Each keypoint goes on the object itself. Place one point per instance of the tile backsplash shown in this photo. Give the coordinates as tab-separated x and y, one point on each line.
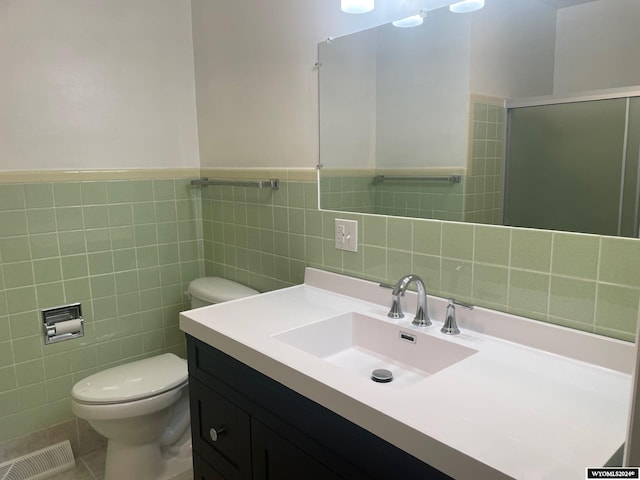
359	193
127	249
587	282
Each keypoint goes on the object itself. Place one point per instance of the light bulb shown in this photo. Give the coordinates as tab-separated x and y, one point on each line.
356	6
412	21
466	6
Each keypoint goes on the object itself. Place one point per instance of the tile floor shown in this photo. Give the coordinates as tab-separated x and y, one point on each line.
91	467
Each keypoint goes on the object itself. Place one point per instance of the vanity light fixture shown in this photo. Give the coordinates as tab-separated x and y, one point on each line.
412	21
356	6
466	6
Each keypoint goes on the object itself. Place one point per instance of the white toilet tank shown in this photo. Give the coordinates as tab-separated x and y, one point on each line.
208	290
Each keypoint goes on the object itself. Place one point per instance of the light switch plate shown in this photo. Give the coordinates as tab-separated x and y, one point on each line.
346	234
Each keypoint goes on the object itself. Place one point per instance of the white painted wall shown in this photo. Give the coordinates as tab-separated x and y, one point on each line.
513	49
597	46
110	83
348	100
98	84
423	93
396	96
255	79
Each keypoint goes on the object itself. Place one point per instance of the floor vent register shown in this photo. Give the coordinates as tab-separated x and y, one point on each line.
39	465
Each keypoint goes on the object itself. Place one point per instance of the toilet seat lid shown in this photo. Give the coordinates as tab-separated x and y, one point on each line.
133	381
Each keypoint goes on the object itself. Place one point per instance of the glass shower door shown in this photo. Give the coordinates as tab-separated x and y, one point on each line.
565	164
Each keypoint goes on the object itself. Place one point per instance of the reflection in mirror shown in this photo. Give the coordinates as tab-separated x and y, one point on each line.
497	99
574	166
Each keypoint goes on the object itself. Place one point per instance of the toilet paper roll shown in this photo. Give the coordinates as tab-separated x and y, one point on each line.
69	326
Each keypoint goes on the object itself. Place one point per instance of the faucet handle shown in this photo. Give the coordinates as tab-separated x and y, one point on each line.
390	286
450	326
458	303
396	309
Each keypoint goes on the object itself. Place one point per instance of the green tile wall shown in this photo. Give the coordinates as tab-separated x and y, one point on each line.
484	187
438	200
125	249
587	282
359	194
349	193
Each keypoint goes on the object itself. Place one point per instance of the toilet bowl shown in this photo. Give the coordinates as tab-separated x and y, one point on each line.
142	407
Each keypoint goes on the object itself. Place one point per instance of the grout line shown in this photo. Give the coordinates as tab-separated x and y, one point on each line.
597	291
551	257
508	303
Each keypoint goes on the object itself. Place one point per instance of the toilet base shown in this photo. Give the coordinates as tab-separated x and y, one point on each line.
146	462
180	461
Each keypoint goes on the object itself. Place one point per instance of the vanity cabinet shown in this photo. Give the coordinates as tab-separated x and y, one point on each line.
247	426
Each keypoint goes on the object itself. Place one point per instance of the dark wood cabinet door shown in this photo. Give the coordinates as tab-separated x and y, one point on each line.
221	433
203	471
275	458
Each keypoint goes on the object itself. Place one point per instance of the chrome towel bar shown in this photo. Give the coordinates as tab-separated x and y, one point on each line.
273	183
427	178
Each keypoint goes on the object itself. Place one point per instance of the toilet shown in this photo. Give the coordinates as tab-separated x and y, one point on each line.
142	407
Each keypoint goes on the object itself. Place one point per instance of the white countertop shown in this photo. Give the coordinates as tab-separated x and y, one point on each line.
508	411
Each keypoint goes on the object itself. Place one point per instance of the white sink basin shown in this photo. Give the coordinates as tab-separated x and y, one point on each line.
361	344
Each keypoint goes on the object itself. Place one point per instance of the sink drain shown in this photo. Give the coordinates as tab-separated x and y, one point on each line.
381	375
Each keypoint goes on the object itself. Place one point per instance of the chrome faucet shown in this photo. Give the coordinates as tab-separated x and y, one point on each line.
422	313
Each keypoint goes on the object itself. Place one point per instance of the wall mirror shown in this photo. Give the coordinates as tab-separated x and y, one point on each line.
525	113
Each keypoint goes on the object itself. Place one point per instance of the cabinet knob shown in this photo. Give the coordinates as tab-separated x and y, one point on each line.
214	432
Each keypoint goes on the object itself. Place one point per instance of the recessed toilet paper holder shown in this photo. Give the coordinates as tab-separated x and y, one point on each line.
62	323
